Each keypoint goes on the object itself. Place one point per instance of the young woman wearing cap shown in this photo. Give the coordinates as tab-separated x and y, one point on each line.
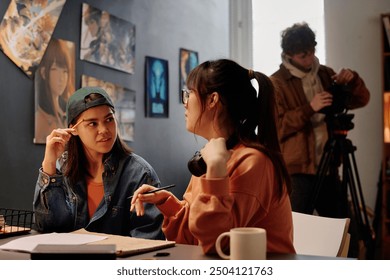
246	184
88	173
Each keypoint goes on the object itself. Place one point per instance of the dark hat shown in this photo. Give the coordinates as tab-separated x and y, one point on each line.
79	102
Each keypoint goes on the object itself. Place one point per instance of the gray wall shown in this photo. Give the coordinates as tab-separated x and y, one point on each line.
353	40
162	27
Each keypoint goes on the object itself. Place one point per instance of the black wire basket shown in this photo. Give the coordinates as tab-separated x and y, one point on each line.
14	222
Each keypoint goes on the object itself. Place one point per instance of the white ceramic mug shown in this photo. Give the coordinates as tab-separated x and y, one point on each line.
246	243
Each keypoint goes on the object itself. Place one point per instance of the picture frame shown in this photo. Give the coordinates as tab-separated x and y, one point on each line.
156	87
107	40
54	83
25	31
188	60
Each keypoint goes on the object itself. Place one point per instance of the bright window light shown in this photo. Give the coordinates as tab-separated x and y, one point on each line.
270	18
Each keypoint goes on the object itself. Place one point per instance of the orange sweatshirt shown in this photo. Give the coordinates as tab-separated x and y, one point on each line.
246	198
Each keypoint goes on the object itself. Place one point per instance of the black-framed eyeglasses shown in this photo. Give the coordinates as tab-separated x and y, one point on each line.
185	94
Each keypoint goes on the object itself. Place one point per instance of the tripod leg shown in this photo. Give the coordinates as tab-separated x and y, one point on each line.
348	181
321	173
359	188
352	178
369	234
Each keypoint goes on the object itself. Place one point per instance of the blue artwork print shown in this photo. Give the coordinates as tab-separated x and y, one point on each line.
156	87
188	60
158	81
193	61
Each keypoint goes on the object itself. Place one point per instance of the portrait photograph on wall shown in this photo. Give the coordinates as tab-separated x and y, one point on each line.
54	82
188	60
124	102
107	40
156	87
26	29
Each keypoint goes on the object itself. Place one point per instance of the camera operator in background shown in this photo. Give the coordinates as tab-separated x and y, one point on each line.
302	88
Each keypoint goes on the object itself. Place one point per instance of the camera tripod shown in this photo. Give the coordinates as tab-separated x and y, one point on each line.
339	151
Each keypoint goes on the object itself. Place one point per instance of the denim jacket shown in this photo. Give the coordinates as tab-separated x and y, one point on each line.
60	207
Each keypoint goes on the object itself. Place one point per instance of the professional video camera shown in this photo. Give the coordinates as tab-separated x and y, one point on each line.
338	151
336	116
341	94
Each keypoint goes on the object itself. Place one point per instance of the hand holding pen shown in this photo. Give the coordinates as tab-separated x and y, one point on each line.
55	146
148	194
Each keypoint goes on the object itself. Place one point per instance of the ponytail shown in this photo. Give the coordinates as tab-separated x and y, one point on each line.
252	115
265	117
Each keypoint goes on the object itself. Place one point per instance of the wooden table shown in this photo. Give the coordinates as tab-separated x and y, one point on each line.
178	252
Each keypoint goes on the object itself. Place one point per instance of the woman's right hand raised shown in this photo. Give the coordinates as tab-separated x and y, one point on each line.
55	146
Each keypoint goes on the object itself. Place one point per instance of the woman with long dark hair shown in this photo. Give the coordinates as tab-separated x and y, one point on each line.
88	173
245	183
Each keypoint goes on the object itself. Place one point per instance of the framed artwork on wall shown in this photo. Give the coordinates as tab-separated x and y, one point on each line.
54	82
124	102
188	60
107	40
26	29
156	87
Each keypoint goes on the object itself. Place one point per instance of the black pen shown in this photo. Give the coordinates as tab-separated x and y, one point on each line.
156	190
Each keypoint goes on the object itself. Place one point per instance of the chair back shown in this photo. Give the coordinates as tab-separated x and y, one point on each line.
321	236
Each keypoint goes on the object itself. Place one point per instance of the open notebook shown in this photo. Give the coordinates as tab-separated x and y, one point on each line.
126	246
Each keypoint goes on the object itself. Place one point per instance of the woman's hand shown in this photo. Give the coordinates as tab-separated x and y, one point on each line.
55	146
140	197
216	156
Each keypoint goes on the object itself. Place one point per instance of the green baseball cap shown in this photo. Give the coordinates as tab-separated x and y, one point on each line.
79	102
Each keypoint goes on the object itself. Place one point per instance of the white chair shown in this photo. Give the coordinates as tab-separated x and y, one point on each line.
321	236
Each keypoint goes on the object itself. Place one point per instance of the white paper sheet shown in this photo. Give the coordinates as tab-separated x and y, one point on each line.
28	243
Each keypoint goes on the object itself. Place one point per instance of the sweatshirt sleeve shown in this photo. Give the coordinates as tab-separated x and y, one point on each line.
219	207
213	206
176	215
